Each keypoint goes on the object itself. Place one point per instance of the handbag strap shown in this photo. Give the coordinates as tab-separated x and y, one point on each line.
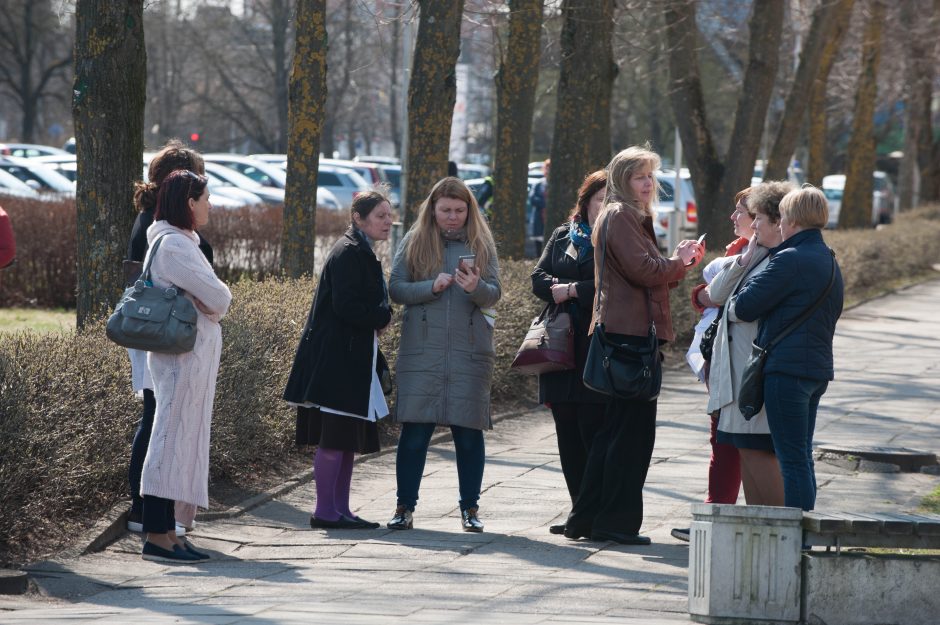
809	311
600	280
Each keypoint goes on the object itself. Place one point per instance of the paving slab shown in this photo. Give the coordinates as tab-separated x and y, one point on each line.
269	567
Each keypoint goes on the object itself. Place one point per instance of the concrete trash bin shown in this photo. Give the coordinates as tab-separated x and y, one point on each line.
744	564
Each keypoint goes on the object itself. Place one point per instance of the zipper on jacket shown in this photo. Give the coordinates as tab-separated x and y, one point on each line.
424	322
471	329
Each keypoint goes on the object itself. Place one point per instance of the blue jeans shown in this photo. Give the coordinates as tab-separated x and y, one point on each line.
413	452
791	404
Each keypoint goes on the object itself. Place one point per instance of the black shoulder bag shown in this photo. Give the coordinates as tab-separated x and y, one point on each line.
751	392
622	370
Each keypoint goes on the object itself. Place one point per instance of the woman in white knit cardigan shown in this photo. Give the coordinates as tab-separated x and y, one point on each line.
177	463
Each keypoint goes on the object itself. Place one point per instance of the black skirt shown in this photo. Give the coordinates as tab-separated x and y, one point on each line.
334	431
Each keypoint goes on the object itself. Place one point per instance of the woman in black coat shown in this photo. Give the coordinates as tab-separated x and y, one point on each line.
564	276
335	378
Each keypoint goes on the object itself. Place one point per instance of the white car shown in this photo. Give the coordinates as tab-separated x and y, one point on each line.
29	150
882	204
345	184
265	174
666	205
228	176
38	176
11	186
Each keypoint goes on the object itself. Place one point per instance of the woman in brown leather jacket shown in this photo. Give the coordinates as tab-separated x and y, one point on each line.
610	504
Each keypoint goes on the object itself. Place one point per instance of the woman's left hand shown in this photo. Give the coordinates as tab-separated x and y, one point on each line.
468	280
560	293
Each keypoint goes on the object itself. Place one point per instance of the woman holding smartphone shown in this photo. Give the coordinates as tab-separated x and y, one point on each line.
446	275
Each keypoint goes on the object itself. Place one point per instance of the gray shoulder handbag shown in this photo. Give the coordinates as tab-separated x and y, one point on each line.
152	319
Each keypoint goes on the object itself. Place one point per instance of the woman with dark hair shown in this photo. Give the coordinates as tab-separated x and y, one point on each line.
177	464
447	276
564	276
335	379
173	156
632	292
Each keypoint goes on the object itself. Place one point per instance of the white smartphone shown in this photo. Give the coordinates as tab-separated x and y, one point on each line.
701	238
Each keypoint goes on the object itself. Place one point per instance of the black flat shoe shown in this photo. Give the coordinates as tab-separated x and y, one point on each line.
470	521
361	523
191	550
556	529
574	533
617	537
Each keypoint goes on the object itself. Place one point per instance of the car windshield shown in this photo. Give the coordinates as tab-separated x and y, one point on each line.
232	177
833	194
46	177
265	174
9	181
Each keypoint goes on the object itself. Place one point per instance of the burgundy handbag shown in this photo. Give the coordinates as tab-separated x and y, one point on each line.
548	345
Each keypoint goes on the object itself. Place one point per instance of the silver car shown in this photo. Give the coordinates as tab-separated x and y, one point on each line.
344	183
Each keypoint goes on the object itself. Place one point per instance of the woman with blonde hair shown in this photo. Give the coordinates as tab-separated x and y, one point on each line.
632	291
446	275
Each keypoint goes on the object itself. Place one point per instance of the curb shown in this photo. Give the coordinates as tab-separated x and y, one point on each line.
113	524
13	582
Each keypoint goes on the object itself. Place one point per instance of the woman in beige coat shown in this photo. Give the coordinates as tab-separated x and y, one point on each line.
177	463
760	472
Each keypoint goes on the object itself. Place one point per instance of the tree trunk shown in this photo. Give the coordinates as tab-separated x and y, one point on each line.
394	86
108	112
581	140
821	29
515	93
280	24
928	150
305	116
818	122
857	198
919	72
432	93
715	180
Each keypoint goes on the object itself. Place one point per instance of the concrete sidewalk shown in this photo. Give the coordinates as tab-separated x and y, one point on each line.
269	567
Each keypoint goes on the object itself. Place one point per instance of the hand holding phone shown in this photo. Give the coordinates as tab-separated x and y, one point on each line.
466	263
701	238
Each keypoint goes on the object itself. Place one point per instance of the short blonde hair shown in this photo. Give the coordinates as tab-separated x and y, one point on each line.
805	208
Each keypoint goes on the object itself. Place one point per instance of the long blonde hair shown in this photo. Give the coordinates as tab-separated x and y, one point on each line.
425	253
621	169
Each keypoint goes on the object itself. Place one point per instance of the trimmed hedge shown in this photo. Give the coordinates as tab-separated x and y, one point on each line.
67	414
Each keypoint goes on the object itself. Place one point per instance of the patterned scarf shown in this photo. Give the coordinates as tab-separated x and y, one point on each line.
580	235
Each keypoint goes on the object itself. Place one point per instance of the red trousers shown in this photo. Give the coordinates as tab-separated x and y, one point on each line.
724	469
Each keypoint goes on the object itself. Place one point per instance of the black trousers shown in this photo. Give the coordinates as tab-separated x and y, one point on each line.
139	452
159	515
611	497
576	425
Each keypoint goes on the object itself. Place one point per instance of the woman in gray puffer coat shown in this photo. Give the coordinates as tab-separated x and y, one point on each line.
447	276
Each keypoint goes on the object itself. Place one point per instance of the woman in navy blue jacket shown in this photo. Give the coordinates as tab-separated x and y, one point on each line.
799	367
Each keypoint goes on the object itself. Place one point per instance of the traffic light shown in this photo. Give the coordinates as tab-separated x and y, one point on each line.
194	137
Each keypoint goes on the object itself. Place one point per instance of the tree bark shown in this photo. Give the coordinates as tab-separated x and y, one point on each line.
716	180
818	118
918	69
108	112
581	140
432	94
280	25
820	30
857	198
928	149
305	119
515	93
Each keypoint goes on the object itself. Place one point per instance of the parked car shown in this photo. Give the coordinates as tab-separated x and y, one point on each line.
378	160
795	173
11	186
228	176
393	175
265	174
29	150
666	201
224	196
65	164
275	159
38	176
344	183
371	172
471	171
883	203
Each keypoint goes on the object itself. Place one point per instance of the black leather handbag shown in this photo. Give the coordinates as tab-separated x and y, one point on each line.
623	370
751	392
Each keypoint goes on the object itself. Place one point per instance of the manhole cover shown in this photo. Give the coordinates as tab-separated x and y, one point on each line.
910	460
